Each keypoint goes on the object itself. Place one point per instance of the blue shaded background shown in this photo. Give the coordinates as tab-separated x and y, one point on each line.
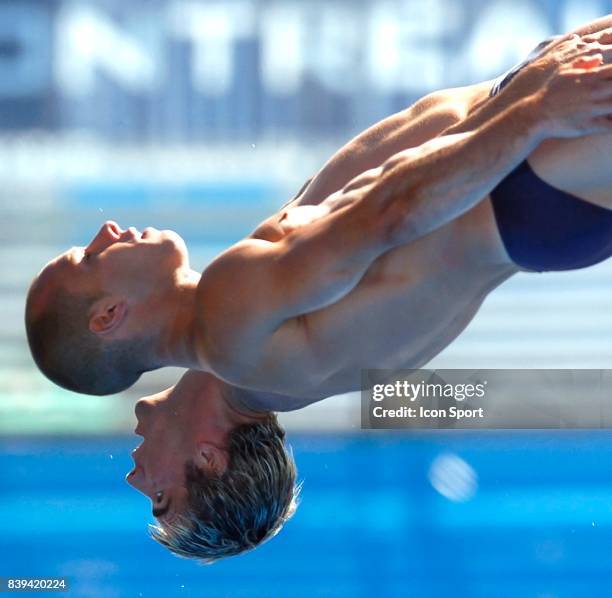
179	153
370	523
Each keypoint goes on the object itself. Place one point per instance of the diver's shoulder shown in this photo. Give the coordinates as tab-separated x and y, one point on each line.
231	302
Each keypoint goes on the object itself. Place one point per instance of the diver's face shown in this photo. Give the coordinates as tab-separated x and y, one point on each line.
185	423
159	462
126	262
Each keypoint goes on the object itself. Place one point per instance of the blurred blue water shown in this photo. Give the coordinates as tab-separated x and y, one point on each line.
534	521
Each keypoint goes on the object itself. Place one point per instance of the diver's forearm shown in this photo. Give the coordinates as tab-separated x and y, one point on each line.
484	110
423	193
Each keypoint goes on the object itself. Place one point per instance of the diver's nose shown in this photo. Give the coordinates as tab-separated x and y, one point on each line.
109	233
143	409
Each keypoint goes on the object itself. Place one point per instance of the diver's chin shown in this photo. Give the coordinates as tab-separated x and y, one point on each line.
176	248
174	238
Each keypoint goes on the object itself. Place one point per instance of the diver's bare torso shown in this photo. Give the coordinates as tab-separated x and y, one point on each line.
412	302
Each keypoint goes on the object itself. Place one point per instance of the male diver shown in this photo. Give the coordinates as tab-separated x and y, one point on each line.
383	272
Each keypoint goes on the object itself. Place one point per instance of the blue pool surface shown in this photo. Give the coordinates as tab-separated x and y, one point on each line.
442	514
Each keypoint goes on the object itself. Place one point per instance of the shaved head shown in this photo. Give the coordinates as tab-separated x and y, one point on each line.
91	311
63	347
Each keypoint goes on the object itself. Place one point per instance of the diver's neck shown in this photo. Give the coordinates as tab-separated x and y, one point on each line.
177	340
243	402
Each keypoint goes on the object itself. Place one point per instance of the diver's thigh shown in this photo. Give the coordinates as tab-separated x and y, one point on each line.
580	166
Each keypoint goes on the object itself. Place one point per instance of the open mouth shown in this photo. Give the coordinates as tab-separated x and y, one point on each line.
137	466
133	472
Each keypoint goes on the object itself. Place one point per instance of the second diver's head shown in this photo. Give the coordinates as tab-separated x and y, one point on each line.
220	477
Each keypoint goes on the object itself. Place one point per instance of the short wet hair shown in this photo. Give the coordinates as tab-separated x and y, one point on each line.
247	505
70	355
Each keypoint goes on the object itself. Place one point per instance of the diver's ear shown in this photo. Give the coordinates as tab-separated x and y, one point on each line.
106	315
211	458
